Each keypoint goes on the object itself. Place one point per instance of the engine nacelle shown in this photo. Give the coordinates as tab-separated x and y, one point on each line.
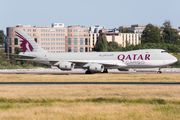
66	66
96	68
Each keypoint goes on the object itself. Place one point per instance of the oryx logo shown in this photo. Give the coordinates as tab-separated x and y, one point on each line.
25	45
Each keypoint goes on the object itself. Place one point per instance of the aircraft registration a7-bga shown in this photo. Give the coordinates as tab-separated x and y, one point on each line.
94	61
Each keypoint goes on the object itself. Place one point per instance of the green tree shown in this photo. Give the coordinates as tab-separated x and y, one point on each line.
2	56
105	42
114	46
125	31
102	46
17	50
170	35
127	43
99	46
167	24
2	37
151	34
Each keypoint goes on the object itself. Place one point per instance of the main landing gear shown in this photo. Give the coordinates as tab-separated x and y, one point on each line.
105	71
89	72
159	71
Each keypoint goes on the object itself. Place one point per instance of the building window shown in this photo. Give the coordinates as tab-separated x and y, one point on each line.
81	41
75	49
81	49
69	49
69	41
86	49
35	39
75	41
86	41
15	41
10	41
10	50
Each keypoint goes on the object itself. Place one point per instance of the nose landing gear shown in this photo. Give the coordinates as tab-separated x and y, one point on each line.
159	71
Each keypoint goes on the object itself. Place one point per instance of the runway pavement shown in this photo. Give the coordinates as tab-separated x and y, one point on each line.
81	71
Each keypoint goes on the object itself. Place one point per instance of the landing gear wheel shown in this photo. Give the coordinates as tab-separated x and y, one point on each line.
88	72
105	71
159	71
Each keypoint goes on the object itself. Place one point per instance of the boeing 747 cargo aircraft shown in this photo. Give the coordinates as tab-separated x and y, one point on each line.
94	61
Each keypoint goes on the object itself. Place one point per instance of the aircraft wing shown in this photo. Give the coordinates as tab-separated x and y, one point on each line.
82	63
87	63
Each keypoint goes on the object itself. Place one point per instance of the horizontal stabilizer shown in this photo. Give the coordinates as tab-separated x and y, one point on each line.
20	55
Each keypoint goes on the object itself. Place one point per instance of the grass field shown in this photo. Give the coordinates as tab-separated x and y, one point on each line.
90	78
81	102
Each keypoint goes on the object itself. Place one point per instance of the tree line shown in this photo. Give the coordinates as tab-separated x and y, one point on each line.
14	63
153	37
165	34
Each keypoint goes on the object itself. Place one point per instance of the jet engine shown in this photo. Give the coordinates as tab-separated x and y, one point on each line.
66	66
96	68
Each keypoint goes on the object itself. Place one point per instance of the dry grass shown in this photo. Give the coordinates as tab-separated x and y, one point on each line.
94	111
91	78
81	102
79	108
90	91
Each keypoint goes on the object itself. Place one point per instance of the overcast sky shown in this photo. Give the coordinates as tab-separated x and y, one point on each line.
107	13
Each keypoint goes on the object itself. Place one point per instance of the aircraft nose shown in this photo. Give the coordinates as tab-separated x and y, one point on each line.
174	59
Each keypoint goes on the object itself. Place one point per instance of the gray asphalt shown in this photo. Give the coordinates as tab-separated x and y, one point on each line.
81	71
67	73
88	83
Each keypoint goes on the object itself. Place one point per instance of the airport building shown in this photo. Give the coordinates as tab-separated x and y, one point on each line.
134	28
123	38
94	37
178	30
52	39
77	39
58	39
95	29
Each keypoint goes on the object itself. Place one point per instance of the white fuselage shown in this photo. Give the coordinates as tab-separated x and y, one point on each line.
146	58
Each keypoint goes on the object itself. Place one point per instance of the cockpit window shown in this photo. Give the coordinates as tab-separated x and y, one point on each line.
164	52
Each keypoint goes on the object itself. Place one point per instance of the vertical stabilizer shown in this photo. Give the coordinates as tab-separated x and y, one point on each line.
27	43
